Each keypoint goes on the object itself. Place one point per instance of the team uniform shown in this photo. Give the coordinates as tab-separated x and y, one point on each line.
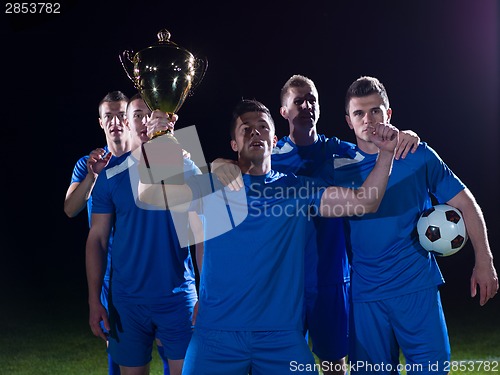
80	171
395	297
252	284
327	277
152	288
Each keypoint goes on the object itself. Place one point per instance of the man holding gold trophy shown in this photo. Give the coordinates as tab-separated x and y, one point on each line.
152	292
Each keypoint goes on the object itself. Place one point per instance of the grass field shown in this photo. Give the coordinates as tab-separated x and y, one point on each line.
42	335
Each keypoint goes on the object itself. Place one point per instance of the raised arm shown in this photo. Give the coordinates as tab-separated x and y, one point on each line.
337	201
174	197
484	274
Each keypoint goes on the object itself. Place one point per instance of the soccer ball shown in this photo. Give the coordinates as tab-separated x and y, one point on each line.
441	230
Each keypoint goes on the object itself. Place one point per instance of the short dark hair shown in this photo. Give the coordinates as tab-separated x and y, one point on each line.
134	97
112	96
296	80
365	86
245	106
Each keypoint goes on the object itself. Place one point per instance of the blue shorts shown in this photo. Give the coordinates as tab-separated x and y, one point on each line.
413	322
134	328
213	352
326	320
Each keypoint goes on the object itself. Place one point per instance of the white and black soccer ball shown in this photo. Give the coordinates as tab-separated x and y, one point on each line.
441	230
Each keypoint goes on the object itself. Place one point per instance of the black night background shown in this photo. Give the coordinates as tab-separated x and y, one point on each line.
439	60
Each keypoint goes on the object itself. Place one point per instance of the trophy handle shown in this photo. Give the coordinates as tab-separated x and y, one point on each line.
201	66
127	64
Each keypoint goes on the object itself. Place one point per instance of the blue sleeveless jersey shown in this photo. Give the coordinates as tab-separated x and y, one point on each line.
387	259
326	261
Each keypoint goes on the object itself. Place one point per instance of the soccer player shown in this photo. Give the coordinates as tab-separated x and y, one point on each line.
304	152
152	277
327	280
112	110
395	297
252	284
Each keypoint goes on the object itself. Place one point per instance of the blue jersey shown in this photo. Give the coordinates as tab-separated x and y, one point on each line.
326	261
79	173
253	275
148	262
387	259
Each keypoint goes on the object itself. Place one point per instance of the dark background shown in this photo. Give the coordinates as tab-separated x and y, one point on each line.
437	58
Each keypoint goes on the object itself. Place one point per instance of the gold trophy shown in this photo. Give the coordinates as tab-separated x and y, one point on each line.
164	74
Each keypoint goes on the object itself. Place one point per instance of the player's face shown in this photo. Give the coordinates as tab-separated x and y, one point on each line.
112	120
301	107
366	111
254	136
137	114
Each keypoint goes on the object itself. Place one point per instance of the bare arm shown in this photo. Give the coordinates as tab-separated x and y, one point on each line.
484	274
78	193
95	260
228	172
337	201
196	226
175	197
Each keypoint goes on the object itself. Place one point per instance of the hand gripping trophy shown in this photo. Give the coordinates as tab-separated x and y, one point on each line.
164	74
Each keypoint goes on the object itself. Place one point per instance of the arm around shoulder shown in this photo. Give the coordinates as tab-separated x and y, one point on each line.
337	201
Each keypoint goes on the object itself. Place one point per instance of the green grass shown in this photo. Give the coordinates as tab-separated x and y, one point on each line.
39	336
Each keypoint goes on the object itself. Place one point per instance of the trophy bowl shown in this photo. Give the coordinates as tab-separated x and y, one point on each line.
164	74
